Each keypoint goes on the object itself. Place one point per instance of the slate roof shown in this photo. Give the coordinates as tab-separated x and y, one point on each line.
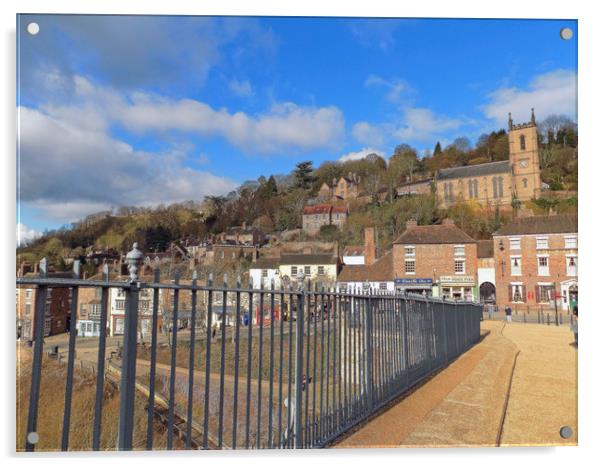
482	169
307	259
266	263
485	249
380	271
434	234
563	223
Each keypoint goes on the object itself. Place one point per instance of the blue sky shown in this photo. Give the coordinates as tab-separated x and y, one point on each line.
135	110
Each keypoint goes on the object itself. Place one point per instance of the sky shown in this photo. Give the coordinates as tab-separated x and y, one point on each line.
144	110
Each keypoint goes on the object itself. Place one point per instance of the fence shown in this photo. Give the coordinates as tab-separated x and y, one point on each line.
299	381
535	315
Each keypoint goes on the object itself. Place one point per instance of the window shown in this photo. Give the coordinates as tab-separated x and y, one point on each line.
307	270
571	266
523	145
448	192
500	186
459	250
320	270
28	293
95	310
120	304
294	270
382	286
473	189
525	182
410	251
410	266
118	326
515	265
27	309
542	266
544	293
515	243
343	288
517	293
494	180
459	266
541	242
264	273
570	242
144	305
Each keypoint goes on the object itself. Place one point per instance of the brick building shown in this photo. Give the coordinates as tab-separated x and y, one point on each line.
57	307
535	260
438	260
497	183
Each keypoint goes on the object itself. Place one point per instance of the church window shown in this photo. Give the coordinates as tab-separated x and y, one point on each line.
500	187
475	188
525	182
495	194
523	145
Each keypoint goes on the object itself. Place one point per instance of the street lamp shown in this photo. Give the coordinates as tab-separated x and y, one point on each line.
502	262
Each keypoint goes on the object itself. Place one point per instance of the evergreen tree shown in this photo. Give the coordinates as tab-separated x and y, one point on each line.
303	175
437	150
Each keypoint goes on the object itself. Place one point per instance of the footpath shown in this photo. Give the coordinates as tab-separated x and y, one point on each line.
518	386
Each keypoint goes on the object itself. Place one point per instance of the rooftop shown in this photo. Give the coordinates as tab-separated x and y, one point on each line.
564	223
482	169
380	271
317	209
434	234
266	263
353	251
307	259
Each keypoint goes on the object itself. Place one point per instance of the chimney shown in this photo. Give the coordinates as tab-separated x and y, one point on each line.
369	246
411	223
448	221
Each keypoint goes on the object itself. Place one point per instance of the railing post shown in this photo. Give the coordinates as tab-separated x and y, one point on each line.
36	368
369	354
128	361
297	422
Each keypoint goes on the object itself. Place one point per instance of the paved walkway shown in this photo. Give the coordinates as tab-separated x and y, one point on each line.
465	404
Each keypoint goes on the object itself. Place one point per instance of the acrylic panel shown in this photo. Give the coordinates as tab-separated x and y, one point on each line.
288	232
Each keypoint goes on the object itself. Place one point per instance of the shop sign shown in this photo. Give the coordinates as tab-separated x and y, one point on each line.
453	280
414	281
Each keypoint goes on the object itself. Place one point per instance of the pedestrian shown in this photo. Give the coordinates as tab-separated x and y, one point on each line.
508	314
574	327
490	309
213	330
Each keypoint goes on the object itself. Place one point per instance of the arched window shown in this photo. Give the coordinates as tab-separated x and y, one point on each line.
525	182
500	187
494	180
470	189
475	188
523	144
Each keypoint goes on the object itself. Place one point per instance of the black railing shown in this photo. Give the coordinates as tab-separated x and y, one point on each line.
310	364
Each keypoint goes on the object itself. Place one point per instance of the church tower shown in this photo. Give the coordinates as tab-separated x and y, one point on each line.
524	158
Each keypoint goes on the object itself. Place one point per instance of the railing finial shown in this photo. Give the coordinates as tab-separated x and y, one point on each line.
134	260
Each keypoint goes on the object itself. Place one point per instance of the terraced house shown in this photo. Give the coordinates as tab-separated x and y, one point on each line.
536	262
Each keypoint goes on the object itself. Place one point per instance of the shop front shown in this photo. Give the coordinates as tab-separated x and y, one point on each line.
423	286
461	288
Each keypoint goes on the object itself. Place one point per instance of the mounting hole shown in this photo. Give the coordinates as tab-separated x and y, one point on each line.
566	432
33	28
566	33
33	438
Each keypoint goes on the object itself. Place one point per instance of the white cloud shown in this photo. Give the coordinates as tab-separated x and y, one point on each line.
70	171
367	133
360	154
422	124
549	93
285	126
241	88
25	234
396	88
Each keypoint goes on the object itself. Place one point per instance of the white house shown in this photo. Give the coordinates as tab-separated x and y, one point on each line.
263	271
354	255
319	268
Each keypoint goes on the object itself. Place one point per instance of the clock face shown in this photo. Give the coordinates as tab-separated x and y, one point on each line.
524	163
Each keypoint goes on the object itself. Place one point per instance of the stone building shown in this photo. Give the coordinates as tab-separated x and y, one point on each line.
319	215
437	260
536	262
347	187
497	183
413	188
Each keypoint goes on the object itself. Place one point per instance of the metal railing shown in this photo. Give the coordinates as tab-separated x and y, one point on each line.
296	368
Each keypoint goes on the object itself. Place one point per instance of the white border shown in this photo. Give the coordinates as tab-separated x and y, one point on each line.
590	75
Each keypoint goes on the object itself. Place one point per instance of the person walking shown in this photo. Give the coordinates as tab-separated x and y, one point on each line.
508	314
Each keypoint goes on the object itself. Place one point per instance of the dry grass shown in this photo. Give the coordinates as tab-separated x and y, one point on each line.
51	408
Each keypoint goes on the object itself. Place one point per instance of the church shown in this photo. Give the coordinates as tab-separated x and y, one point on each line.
497	183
